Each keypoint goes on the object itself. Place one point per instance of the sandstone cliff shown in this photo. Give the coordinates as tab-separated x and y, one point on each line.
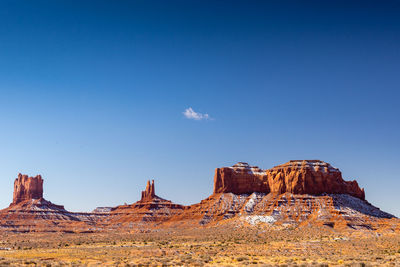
26	188
312	177
294	193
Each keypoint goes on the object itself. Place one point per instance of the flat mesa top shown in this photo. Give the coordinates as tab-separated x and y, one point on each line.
306	160
314	164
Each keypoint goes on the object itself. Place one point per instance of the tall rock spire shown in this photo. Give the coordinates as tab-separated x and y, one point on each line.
149	193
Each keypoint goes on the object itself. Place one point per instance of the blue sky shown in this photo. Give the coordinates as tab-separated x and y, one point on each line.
92	94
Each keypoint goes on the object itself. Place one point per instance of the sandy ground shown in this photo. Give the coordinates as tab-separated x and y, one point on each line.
214	246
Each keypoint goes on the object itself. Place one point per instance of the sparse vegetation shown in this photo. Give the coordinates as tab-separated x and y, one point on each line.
225	245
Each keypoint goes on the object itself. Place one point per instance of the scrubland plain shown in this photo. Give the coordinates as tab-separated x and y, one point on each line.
223	245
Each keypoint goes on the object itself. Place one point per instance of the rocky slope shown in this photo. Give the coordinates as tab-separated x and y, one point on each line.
294	193
150	208
288	195
29	211
333	210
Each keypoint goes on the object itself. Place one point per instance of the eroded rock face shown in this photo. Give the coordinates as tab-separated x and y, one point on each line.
29	211
26	188
240	179
149	192
149	208
312	177
307	192
334	210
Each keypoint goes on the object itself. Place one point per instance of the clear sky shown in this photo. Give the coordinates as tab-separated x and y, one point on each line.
96	95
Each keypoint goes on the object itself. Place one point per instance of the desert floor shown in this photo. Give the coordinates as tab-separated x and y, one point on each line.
213	246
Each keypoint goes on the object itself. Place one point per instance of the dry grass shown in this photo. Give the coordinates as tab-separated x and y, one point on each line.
218	246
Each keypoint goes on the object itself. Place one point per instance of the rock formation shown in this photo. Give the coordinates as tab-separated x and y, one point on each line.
26	188
295	193
312	177
149	193
102	210
299	192
333	210
240	179
29	211
149	208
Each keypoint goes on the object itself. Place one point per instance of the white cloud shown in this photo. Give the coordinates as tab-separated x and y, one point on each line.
191	114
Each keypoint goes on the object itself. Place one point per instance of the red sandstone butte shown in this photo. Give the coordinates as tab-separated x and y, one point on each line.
26	188
312	177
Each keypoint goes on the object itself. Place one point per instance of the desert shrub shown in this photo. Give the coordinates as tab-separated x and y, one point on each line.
242	258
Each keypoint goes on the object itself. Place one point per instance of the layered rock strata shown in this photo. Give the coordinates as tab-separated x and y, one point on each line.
312	177
26	188
149	208
331	210
299	192
29	211
295	193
